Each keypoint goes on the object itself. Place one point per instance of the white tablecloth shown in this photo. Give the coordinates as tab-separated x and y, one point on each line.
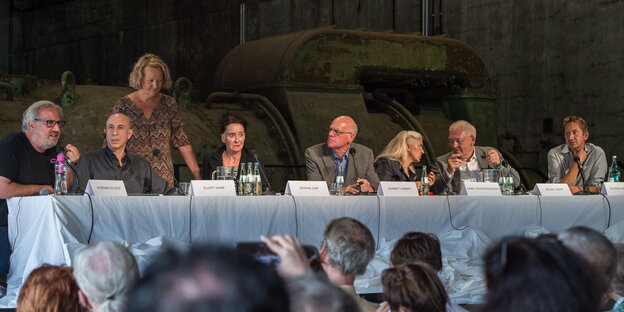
48	229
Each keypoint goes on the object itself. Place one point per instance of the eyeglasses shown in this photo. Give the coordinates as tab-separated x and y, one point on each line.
458	141
337	133
232	136
51	123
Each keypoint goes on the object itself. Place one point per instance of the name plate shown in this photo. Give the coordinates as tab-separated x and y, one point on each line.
552	189
213	188
106	188
480	189
306	188
392	188
612	188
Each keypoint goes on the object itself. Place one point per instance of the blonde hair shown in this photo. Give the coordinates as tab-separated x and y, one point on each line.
465	126
136	76
397	147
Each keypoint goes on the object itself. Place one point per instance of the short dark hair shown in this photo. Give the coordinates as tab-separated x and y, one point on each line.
227	119
415	286
538	275
223	278
417	246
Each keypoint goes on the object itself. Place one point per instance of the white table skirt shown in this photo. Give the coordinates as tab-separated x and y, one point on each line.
48	229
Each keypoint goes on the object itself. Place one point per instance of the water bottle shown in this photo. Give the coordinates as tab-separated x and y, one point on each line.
60	172
242	179
614	172
508	181
339	179
424	182
256	173
251	180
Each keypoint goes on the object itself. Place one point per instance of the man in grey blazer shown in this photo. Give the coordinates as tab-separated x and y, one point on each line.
465	160
322	160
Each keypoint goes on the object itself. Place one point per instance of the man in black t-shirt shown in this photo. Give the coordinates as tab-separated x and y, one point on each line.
25	167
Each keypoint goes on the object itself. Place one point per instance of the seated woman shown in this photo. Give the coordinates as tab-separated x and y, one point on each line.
233	152
50	288
395	161
413	287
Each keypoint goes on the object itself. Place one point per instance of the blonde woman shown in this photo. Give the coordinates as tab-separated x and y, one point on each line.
155	118
395	161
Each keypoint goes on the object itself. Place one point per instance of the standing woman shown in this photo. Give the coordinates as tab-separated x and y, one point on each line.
155	118
395	161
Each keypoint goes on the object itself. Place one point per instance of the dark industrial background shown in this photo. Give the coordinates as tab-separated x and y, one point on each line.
546	58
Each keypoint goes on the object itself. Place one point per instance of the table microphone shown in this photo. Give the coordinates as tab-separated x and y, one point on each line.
584	191
255	155
44	192
176	185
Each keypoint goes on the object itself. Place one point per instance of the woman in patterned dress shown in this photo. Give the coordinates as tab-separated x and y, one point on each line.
155	118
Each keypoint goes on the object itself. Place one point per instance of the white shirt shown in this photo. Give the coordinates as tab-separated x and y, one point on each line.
469	171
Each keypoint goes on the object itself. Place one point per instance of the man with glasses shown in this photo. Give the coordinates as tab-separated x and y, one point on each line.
356	160
25	167
465	160
562	168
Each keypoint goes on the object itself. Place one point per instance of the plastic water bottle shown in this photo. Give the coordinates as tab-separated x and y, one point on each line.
251	180
256	173
424	182
508	181
60	172
339	178
242	179
614	172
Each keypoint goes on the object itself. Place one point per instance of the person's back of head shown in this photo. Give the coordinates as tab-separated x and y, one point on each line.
349	245
106	272
617	283
313	293
49	288
538	275
209	278
413	286
594	247
417	246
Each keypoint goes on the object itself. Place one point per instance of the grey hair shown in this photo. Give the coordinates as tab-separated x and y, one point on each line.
34	109
314	293
349	245
465	126
593	247
106	272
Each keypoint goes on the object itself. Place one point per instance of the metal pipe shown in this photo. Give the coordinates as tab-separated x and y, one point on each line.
425	17
243	22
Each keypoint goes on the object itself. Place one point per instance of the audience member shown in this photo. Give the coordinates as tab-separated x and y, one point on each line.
346	249
311	293
616	292
49	288
209	278
413	287
537	275
105	272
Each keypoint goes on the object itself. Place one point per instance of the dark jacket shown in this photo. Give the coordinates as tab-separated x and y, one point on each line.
390	170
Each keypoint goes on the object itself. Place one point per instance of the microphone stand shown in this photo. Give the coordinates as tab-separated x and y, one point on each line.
176	185
268	190
580	167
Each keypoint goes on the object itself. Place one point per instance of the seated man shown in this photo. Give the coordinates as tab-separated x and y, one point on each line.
322	160
25	168
114	163
562	168
105	273
465	160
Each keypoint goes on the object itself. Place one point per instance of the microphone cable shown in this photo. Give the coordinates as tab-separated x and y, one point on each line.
609	207
448	204
92	218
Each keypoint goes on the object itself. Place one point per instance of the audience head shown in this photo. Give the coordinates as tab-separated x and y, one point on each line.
594	247
233	129
105	272
406	147
42	122
49	289
342	132
209	278
149	62
417	246
311	293
347	246
537	275
462	136
617	283
413	286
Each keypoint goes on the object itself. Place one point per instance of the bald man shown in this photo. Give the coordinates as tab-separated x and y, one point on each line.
322	160
115	163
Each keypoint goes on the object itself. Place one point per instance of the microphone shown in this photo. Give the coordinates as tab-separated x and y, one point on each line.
505	163
176	185
44	192
255	155
70	164
580	168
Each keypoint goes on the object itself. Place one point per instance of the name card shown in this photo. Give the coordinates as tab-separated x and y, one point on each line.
612	188
392	188
213	188
106	188
552	189
306	188
480	189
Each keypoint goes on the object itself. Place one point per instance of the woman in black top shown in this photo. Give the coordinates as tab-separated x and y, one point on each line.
395	161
